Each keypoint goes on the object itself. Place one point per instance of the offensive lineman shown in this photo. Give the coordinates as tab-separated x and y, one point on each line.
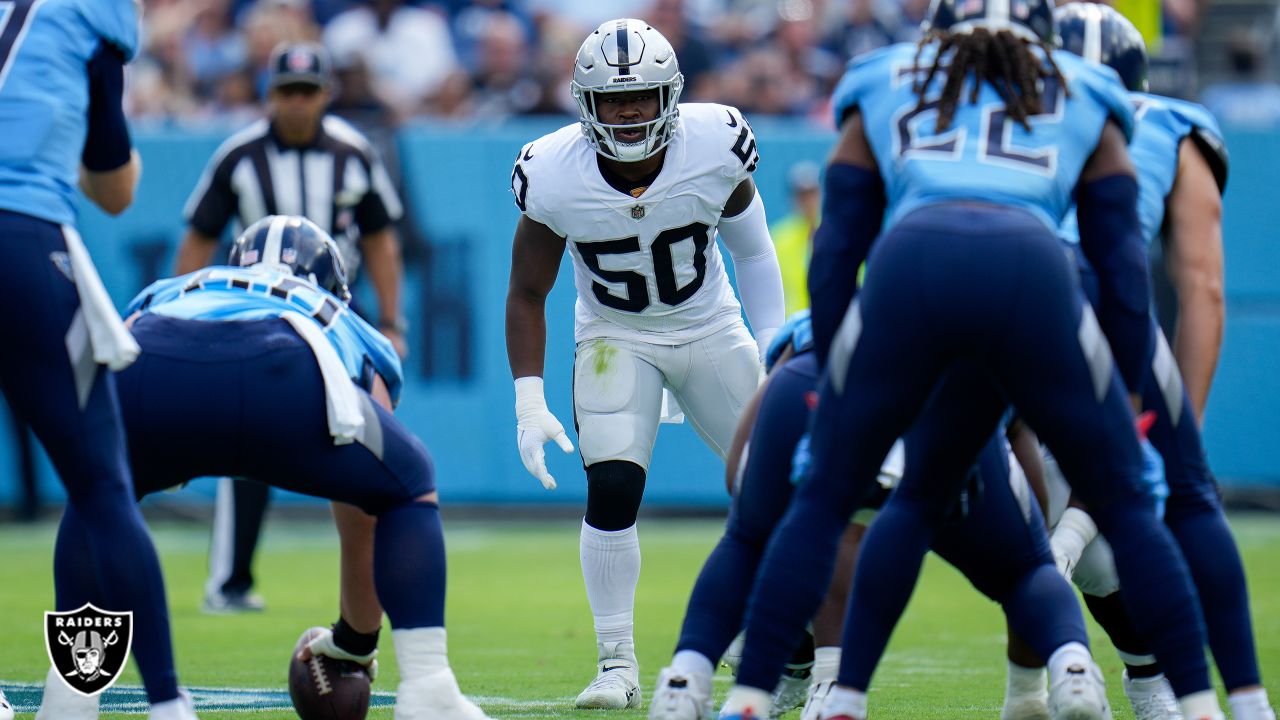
636	191
1182	169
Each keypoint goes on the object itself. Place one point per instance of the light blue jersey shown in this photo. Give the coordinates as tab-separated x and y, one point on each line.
1035	171
1162	124
45	46
256	293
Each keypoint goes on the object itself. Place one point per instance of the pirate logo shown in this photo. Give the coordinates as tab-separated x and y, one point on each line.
88	646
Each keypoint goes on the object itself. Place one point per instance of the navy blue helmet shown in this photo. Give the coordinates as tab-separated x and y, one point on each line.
1100	34
1031	20
298	244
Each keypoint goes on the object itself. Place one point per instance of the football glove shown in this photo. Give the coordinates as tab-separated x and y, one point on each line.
1073	534
535	425
324	645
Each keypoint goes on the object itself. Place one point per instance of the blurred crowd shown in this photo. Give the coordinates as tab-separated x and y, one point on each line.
492	59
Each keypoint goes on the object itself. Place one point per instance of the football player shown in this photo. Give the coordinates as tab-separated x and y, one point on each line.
1010	562
1182	169
61	85
637	191
258	369
966	150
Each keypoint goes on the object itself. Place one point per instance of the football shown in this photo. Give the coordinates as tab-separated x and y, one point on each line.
326	689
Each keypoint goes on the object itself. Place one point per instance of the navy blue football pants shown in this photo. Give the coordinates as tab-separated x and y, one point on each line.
72	408
989	287
997	539
1194	512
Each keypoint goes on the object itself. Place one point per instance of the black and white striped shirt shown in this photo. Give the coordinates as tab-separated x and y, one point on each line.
338	182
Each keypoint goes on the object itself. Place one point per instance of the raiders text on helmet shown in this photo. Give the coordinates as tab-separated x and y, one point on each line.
1100	34
297	245
627	56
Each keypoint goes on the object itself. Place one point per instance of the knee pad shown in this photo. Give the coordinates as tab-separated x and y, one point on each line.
614	490
1095	574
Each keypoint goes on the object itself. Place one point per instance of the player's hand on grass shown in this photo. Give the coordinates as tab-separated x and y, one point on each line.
535	425
324	645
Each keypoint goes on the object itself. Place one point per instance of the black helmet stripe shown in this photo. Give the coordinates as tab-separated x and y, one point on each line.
623	38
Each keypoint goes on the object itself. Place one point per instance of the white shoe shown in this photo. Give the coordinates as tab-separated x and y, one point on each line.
1151	698
1079	694
679	697
791	692
180	708
435	697
6	708
62	703
617	682
818	693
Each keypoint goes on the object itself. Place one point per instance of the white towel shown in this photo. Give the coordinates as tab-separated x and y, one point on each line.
341	400
112	344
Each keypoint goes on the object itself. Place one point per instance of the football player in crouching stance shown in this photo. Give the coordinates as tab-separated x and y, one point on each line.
636	191
258	369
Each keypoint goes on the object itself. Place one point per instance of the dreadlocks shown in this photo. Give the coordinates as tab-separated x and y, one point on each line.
1001	59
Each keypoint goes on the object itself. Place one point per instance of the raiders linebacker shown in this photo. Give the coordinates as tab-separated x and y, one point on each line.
636	190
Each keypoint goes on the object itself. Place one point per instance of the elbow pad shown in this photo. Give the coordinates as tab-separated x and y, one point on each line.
1111	238
853	204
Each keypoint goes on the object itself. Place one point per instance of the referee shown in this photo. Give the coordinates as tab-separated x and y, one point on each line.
297	161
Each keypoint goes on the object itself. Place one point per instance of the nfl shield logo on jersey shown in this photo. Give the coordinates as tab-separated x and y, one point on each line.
88	646
637	212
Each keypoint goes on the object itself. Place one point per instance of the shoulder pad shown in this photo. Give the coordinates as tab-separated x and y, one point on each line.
1102	85
723	125
1203	130
859	76
539	159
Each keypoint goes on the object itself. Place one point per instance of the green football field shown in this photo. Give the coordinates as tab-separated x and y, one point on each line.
519	628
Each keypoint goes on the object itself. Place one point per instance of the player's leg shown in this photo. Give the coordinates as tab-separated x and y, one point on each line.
1060	375
1194	514
723	374
884	363
1001	545
718	601
240	507
71	404
617	396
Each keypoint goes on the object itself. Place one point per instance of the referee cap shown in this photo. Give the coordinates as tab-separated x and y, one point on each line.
299	64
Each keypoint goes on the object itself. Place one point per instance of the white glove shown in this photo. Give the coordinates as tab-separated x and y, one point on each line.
324	645
535	425
1073	534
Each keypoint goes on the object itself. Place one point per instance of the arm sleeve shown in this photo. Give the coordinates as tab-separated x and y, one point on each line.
746	237
1111	238
106	145
853	205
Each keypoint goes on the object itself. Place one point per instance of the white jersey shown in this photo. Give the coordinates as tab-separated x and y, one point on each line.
647	269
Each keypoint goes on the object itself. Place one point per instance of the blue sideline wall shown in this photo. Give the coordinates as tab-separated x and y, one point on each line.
456	180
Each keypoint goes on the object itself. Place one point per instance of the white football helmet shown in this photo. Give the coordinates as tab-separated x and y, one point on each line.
625	56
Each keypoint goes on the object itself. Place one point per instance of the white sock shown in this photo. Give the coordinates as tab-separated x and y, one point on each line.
1025	681
1136	660
1250	705
742	699
611	571
847	702
1202	705
826	664
420	651
60	701
179	708
1072	653
692	663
